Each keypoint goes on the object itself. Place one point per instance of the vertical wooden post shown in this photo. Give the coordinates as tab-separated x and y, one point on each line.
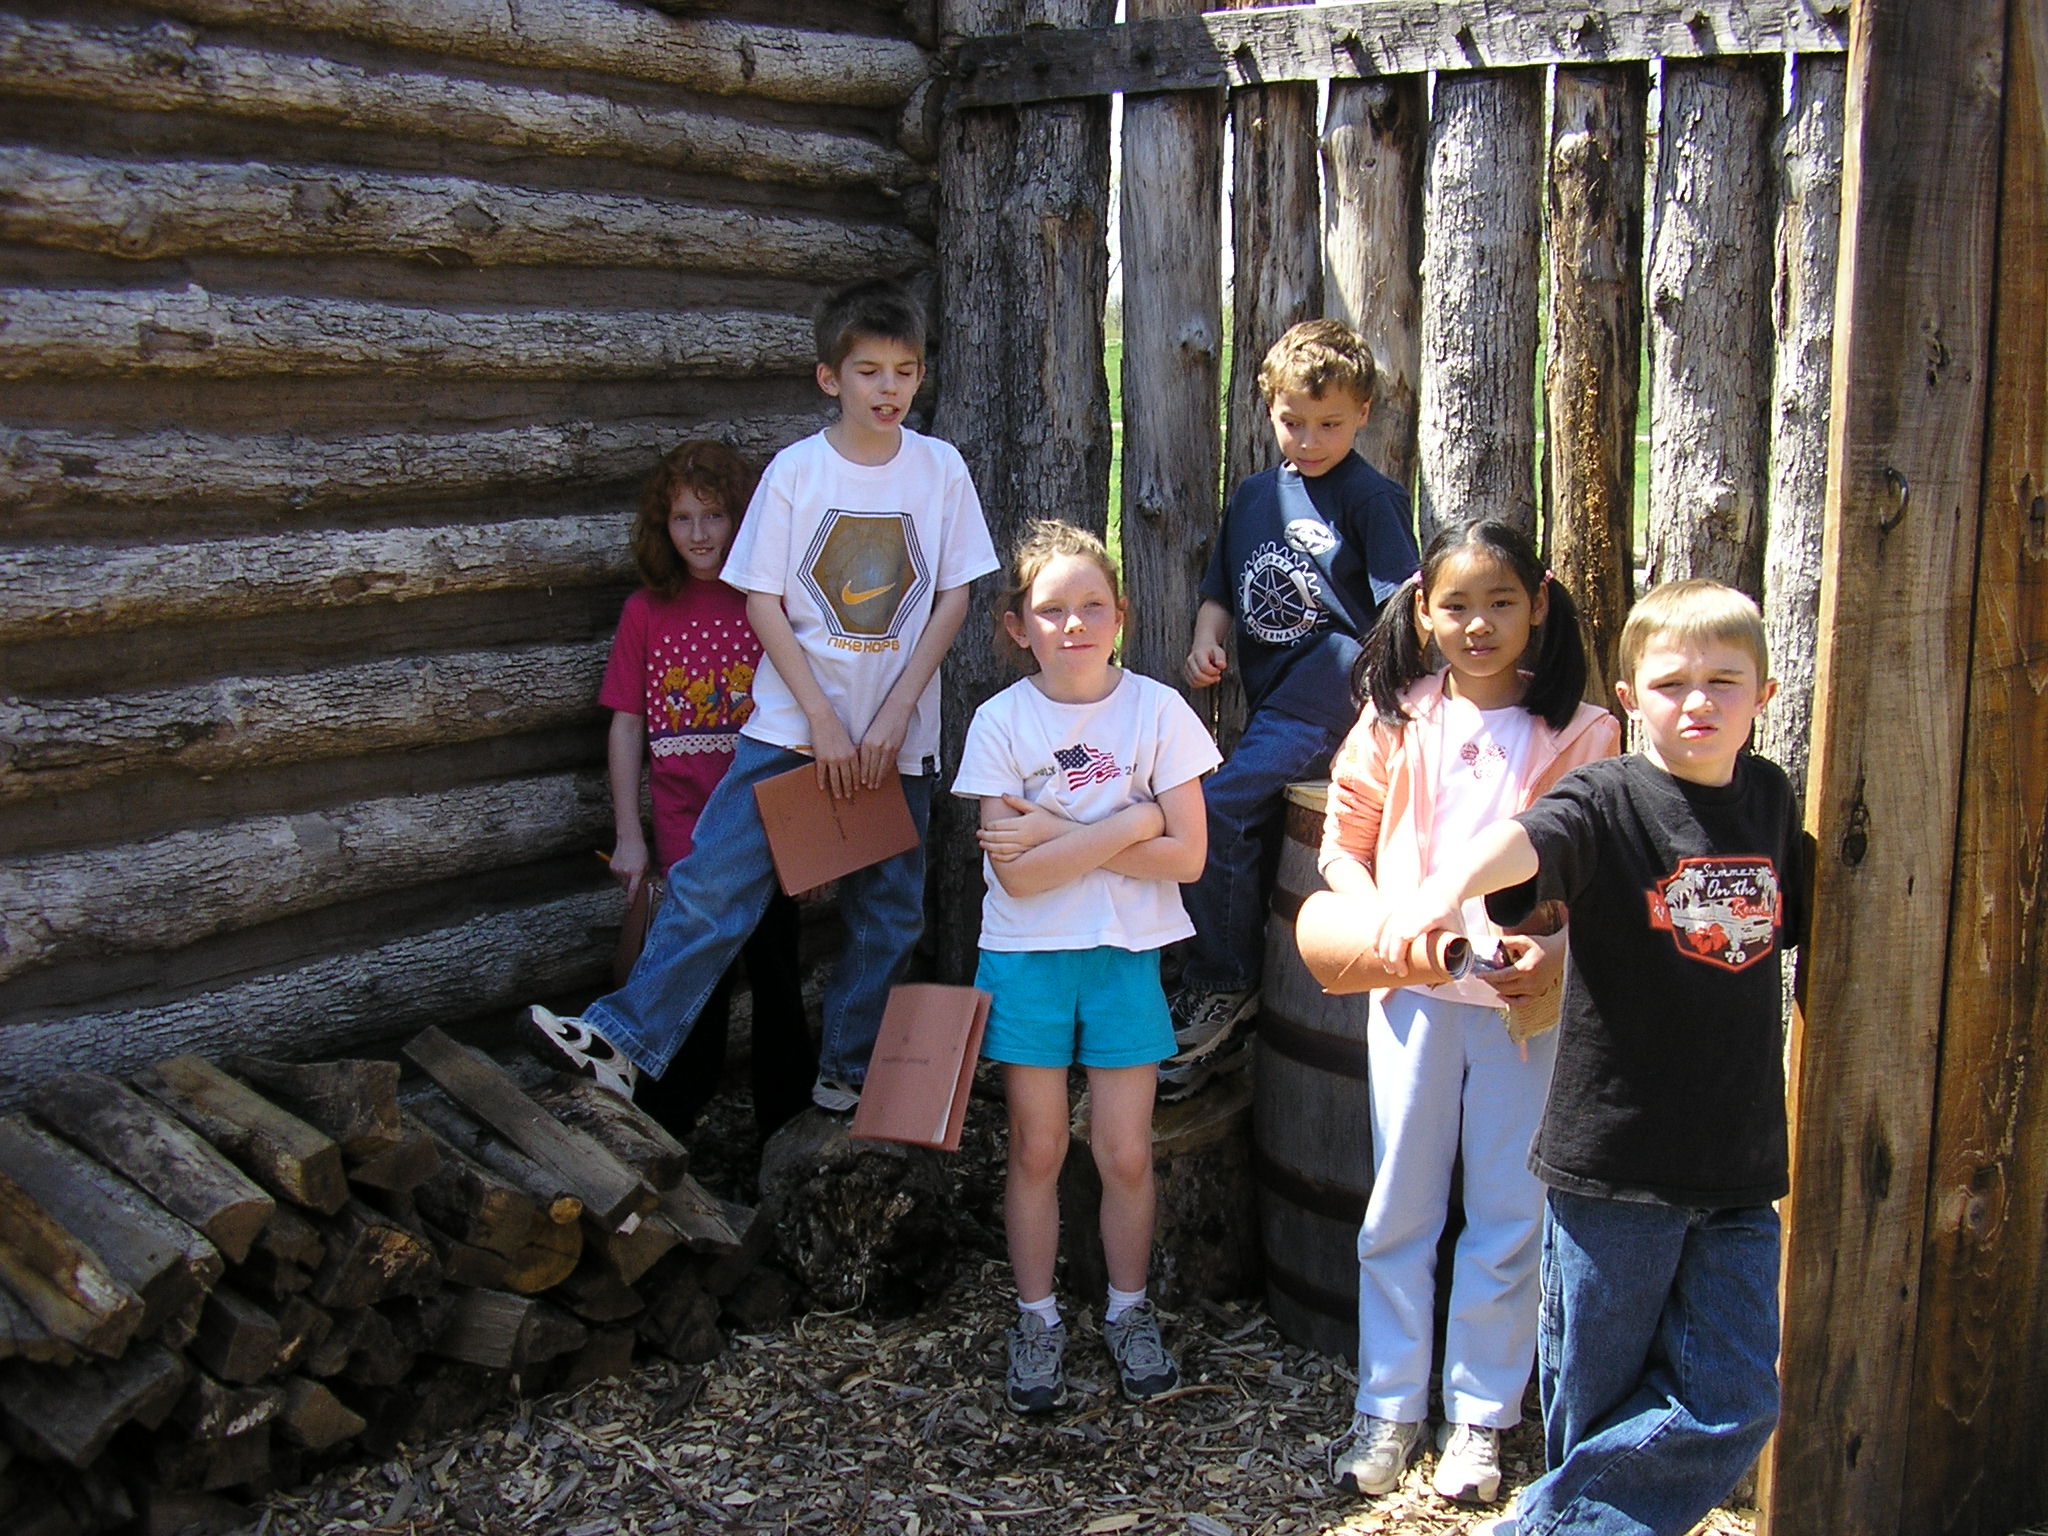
1809	165
1593	373
1710	342
1481	243
1905	462
1372	247
1979	1429
1173	355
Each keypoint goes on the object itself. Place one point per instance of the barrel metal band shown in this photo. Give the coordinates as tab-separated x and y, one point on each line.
1317	1298
1319	1197
1313	1048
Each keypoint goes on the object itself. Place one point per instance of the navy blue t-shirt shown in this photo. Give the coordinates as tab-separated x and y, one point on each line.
1292	654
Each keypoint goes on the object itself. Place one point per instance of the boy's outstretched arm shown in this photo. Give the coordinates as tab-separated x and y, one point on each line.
1032	850
883	738
831	746
1207	659
1500	856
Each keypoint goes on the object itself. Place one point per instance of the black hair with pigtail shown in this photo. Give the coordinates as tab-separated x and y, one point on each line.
1395	654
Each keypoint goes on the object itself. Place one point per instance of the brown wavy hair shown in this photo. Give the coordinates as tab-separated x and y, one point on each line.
1044	542
714	472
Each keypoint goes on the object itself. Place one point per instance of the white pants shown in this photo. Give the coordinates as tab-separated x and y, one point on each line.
1445	1078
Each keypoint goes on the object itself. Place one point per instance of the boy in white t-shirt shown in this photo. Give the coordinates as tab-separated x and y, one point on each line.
855	555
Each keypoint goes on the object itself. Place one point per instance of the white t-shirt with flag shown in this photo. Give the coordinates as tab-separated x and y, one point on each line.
857	552
1086	762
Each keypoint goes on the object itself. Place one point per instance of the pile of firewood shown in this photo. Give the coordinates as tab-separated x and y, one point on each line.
222	1279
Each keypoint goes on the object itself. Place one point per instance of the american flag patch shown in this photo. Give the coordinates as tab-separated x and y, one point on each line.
1087	765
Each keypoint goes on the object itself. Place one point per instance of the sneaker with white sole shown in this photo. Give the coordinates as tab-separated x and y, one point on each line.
835	1097
1142	1364
1203	1019
1467	1463
1183	1079
586	1051
1371	1456
1035	1381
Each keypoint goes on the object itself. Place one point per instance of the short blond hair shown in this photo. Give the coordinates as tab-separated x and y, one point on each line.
1316	357
1044	542
1692	610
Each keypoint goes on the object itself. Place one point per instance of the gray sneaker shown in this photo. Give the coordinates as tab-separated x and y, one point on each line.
1034	1382
1183	1079
1203	1020
1142	1363
1373	1454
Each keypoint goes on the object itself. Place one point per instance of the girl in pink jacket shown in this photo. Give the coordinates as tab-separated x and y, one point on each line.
1472	684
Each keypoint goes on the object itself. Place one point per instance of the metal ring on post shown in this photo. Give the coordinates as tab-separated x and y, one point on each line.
1904	493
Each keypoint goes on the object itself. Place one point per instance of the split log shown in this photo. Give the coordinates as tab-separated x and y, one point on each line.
466	1264
1372	248
280	1151
1476	436
607	1353
401	1169
302	1329
23	1338
355	1102
154	211
546	1259
611	1192
681	1320
213	1410
59	746
756	1239
473	1204
629	1134
1173	348
192	332
501	1331
153	1253
369	1258
1710	320
73	1413
270	1278
716	57
1593	376
1808	161
312	1416
154	1150
211	1465
597	1294
554	1202
57	467
60	1280
165	68
328	1355
238	1340
705	1222
629	1255
293	1239
378	1356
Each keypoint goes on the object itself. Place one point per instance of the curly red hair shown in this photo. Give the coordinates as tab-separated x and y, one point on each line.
713	471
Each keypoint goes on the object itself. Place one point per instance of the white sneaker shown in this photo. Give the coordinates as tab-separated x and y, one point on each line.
1467	1463
587	1051
835	1097
1373	1454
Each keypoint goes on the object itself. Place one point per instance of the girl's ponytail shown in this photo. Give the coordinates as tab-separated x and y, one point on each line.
1392	656
1557	681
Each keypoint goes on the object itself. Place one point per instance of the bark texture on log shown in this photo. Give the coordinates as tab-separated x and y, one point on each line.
1710	317
1593	372
1809	167
1373	140
1476	439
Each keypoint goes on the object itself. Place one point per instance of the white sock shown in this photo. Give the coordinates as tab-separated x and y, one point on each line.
1046	1311
1121	1302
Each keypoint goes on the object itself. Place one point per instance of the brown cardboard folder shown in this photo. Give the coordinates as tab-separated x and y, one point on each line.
814	837
923	1066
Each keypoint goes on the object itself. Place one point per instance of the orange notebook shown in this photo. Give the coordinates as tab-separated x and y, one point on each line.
923	1066
814	837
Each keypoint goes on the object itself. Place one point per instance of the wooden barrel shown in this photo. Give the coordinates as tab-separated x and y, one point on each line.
1311	1127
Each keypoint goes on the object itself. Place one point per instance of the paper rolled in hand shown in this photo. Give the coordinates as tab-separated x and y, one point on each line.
1335	933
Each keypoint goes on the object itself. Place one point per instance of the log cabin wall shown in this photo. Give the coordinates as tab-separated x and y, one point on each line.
336	336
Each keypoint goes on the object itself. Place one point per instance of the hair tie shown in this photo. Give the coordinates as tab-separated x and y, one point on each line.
1416	575
1549	574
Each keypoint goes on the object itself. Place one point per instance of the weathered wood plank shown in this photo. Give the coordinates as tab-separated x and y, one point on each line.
53	468
166	67
191	331
1905	485
718	57
154	211
338	1002
614	1124
1710	323
62	745
1809	171
63	1282
1476	441
1979	1393
1373	137
145	1142
1382	37
280	1151
1593	372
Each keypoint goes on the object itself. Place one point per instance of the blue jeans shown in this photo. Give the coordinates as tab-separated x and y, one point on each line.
1246	802
716	895
1657	1348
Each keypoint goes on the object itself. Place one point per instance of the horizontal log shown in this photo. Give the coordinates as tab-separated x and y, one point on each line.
57	746
1371	39
213	1410
50	468
164	67
191	885
370	1258
60	1280
314	1417
278	1150
84	332
354	1101
338	1002
301	1329
23	1338
554	1203
726	58
158	210
401	1169
238	1340
74	1413
475	1205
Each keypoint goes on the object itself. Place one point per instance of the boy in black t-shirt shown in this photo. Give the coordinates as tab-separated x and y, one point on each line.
1663	1139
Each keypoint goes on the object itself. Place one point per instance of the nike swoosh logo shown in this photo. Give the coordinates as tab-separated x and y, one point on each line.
854	599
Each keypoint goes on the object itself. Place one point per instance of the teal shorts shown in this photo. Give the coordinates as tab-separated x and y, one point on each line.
1055	1007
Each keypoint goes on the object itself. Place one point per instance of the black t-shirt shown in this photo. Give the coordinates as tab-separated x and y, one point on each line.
1670	1080
1291	653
